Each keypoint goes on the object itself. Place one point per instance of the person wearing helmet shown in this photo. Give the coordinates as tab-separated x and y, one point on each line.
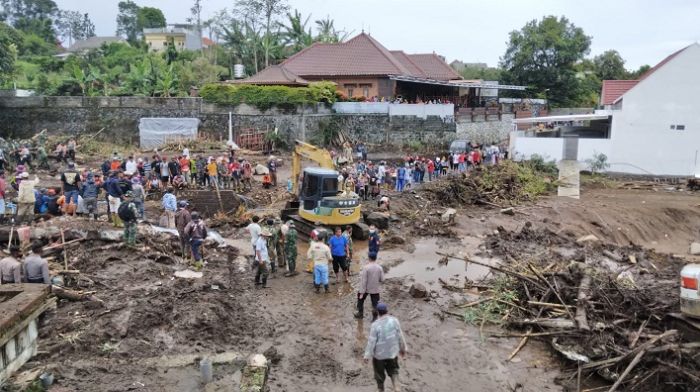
182	219
196	232
128	213
290	249
320	254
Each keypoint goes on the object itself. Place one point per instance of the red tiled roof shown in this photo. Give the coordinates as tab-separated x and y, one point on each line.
364	56
207	42
274	74
613	89
405	59
434	67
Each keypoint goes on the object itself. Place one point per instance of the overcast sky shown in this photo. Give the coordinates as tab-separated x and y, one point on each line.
643	31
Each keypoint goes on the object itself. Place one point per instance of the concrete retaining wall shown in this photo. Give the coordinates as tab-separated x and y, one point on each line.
22	117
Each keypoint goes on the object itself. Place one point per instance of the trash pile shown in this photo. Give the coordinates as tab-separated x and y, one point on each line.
506	184
609	311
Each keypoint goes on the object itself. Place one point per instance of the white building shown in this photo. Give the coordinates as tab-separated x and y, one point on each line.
653	127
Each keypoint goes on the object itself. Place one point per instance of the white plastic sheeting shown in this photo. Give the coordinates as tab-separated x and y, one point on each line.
155	132
423	110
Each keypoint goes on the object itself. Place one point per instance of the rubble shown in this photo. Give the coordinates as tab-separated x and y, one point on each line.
608	317
417	290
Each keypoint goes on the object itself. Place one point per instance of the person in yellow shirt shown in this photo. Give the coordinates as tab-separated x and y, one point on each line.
212	171
320	254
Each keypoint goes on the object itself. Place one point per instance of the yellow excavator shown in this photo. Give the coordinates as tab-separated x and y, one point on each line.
318	199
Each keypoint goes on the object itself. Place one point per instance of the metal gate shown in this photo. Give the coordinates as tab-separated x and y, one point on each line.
251	139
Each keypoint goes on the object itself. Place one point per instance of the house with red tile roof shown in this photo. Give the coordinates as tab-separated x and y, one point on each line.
651	125
363	67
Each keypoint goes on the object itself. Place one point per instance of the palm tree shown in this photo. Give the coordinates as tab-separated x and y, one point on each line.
295	35
327	32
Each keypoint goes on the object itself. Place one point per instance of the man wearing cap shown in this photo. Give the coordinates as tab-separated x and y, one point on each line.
114	196
262	258
278	239
371	279
320	254
182	219
196	232
36	268
386	342
70	185
10	267
26	197
128	213
290	248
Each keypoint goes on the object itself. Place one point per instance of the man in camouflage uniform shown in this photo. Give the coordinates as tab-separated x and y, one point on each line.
129	218
278	237
271	244
290	249
42	157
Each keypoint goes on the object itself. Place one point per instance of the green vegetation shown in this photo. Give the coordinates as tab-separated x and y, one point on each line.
493	310
265	97
598	163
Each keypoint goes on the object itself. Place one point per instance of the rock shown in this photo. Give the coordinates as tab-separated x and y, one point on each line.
394	239
695	248
272	354
261	169
417	290
257	360
188	274
449	215
508	211
587	238
378	219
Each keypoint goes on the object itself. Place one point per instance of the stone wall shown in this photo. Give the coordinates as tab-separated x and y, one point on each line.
22	117
485	131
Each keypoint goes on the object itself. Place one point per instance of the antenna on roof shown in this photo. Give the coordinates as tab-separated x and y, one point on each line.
363	27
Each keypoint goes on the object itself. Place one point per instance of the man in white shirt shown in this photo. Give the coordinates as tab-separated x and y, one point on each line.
262	258
254	231
320	254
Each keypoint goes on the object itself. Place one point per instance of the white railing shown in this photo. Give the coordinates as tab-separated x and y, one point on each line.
421	110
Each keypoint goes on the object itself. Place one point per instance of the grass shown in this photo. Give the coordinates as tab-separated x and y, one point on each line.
493	311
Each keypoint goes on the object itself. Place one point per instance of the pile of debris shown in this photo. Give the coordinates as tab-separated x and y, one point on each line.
506	184
609	310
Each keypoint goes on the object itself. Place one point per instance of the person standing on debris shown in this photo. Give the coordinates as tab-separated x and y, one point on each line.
164	173
114	196
139	196
169	204
174	168
374	240
262	258
254	230
386	342
43	158
130	165
234	167
196	232
400	178
70	180
90	191
247	170
26	198
339	251
212	173
71	147
10	267
371	278
290	248
36	268
128	214
182	219
201	165
271	246
320	254
185	168
272	167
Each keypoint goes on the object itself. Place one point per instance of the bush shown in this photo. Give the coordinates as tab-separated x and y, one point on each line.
266	97
538	164
598	163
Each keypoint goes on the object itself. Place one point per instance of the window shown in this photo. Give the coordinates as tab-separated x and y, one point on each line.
350	88
365	89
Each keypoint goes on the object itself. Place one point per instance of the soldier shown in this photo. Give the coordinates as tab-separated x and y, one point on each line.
290	249
278	236
271	244
42	157
128	213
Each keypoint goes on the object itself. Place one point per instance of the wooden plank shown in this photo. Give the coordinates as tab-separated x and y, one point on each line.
27	297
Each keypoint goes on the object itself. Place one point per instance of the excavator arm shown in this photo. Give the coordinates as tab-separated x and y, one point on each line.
308	151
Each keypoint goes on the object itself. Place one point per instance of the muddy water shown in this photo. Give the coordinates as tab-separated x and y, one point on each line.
422	265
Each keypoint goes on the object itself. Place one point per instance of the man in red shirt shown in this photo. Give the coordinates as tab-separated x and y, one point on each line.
185	168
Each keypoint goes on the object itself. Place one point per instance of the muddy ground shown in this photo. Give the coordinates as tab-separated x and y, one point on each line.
152	328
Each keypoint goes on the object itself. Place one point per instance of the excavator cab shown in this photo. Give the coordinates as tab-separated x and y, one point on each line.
321	201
